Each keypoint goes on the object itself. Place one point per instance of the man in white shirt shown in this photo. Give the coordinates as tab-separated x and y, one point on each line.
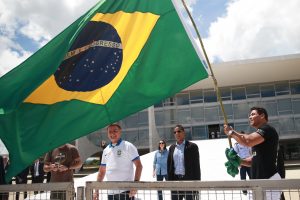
118	160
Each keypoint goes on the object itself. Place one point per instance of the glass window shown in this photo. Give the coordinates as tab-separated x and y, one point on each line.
286	124
293	151
211	114
275	124
284	106
297	124
170	116
225	94
254	104
158	104
143	138
159	118
282	88
143	118
238	93
271	107
188	133
197	114
196	96
199	133
165	133
228	111
182	99
267	90
97	136
131	136
169	102
130	122
296	106
295	87
184	116
241	111
252	91
210	96
242	127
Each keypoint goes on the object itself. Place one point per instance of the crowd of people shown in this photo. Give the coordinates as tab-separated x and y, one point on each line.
258	152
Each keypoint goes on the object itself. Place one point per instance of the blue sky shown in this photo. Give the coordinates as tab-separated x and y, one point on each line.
209	10
231	29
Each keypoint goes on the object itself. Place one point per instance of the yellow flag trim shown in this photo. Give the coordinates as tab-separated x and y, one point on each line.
134	30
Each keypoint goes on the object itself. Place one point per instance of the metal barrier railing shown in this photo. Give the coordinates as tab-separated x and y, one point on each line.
257	189
38	191
204	190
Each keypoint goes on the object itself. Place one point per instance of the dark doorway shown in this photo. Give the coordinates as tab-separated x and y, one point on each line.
213	131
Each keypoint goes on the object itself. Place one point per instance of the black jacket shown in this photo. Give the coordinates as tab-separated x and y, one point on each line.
40	178
21	178
191	162
2	171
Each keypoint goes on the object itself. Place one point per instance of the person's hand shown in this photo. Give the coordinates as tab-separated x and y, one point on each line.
62	168
96	195
227	128
53	167
154	174
132	193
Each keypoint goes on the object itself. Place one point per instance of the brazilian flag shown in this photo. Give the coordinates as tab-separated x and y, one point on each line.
121	57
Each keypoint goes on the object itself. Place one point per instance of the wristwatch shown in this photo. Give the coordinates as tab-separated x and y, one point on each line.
231	132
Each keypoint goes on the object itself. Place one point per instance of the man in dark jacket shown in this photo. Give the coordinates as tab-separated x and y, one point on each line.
2	171
183	163
37	172
3	195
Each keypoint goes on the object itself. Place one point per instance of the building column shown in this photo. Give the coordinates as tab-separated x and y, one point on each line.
153	134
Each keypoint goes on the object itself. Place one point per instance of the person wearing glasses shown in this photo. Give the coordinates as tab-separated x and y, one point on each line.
160	164
183	163
264	144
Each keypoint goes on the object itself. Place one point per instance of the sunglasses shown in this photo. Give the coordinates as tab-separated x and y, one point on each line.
161	143
177	131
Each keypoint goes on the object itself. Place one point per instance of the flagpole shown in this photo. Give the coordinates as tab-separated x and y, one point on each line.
210	68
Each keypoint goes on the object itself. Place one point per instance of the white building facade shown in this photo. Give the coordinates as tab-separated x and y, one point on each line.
272	83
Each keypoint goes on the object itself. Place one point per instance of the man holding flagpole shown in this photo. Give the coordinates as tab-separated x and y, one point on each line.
264	143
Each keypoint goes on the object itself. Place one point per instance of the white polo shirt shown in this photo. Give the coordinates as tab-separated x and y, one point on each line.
119	161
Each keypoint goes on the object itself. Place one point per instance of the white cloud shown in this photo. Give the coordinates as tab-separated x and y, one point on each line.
11	54
35	20
9	59
254	28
